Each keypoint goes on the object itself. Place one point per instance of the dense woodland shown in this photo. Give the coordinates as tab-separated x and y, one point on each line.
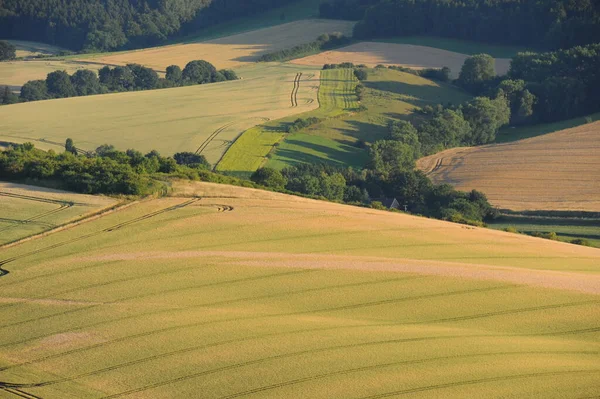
100	25
538	23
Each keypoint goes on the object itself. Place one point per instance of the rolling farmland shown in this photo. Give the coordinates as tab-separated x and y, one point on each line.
406	55
336	96
387	95
306	299
234	51
204	118
556	171
231	51
28	210
16	73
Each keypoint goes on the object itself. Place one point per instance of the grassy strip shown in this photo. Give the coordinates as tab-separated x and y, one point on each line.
566	228
251	150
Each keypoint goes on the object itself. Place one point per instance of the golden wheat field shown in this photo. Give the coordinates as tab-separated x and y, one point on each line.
27	210
16	73
557	171
406	55
231	51
204	118
225	292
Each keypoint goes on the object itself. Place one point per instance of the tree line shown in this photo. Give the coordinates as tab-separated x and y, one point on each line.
323	42
102	25
410	187
103	171
132	77
539	23
7	51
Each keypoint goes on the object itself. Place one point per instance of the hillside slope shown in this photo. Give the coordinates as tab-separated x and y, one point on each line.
557	171
247	293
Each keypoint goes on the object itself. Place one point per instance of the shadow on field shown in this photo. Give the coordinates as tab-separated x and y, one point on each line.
345	154
416	95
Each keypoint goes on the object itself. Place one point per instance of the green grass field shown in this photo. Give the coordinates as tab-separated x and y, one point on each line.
566	229
28	210
336	96
459	46
389	95
305	299
204	118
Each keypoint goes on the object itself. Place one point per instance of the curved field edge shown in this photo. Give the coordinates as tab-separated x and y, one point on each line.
28	212
288	308
555	172
251	150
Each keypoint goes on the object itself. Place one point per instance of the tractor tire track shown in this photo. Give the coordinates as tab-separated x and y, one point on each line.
86	236
385	365
319	376
295	89
36	217
137	297
237	319
478	381
210	138
18	392
205	346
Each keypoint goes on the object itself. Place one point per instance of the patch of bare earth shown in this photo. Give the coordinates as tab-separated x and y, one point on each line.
405	55
557	171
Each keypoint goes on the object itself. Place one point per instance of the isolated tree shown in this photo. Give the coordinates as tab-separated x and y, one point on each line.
269	177
7	51
174	74
34	90
59	85
199	72
70	147
85	82
475	71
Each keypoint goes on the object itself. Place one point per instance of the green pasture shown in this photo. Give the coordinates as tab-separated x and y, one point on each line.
459	46
389	95
101	311
336	97
565	228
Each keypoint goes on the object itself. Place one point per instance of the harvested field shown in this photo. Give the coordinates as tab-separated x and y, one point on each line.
406	55
27	210
205	118
231	51
16	73
256	294
557	171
